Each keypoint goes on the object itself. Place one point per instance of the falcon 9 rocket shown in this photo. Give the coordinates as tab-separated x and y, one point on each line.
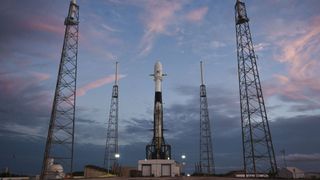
158	149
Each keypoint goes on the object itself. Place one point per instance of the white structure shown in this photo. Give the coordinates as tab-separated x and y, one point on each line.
56	170
242	175
159	168
291	173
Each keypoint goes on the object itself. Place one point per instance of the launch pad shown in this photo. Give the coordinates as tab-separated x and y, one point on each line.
159	168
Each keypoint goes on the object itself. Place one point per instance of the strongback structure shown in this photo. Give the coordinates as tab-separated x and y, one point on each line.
258	152
206	165
112	152
158	149
60	139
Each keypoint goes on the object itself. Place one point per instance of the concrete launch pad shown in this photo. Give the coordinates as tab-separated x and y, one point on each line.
159	168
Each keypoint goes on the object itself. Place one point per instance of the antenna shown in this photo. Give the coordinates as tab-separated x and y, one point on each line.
116	75
201	69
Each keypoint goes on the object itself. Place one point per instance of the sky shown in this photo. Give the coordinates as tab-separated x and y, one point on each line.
179	33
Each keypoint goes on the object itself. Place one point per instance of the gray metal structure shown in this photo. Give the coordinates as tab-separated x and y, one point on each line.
112	150
258	152
206	165
60	139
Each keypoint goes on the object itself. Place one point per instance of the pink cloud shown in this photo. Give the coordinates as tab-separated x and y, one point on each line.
27	88
48	25
301	55
197	15
299	52
99	40
159	15
96	84
41	76
281	78
16	83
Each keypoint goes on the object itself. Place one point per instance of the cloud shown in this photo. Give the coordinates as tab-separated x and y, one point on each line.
96	84
91	133
261	46
24	106
197	15
163	18
136	130
21	131
49	25
181	122
159	15
299	52
41	76
300	55
303	157
217	44
100	40
109	28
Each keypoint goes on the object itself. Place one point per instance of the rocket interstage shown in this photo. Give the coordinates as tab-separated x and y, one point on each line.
158	149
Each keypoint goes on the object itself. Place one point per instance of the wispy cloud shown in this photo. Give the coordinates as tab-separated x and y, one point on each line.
97	83
303	157
261	46
41	76
23	131
159	15
109	28
300	54
160	18
48	26
197	15
98	39
217	44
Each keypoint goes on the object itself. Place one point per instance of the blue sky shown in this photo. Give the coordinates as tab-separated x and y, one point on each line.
286	35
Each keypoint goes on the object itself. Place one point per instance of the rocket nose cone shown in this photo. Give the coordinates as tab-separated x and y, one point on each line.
158	67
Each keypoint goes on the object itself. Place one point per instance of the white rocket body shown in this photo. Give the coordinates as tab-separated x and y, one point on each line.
158	109
158	149
158	76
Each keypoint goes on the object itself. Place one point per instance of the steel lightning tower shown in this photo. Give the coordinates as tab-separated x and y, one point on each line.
59	144
258	152
112	152
206	155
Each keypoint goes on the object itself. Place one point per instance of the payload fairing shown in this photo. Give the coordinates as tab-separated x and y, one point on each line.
158	149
